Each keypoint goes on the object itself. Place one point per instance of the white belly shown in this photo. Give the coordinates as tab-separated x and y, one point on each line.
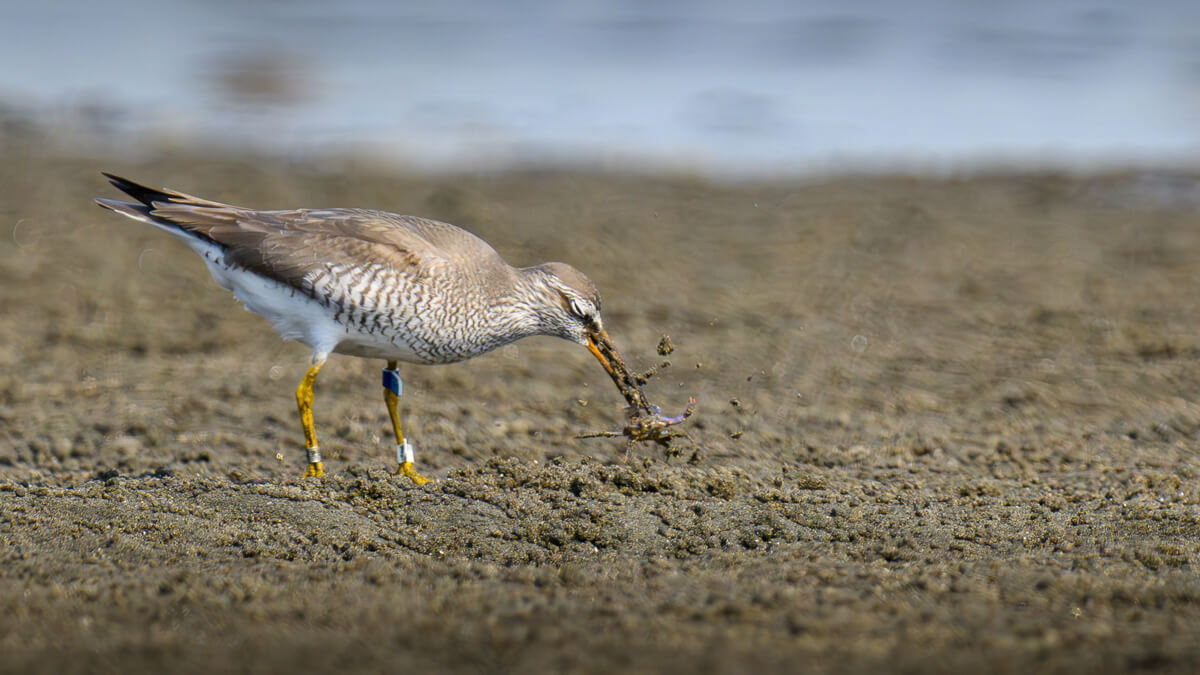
297	316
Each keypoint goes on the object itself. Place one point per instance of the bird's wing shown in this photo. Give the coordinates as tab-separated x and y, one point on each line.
290	246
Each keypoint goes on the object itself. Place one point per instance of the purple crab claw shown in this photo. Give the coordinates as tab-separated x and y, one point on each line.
669	421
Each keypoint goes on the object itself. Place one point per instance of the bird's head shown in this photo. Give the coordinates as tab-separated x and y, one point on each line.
571	310
568	306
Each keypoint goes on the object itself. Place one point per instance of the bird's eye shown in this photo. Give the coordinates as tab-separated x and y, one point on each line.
578	309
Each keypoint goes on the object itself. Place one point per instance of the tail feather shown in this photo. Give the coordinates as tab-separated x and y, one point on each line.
149	196
149	200
143	193
135	211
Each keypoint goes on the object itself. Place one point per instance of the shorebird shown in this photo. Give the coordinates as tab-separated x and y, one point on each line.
377	285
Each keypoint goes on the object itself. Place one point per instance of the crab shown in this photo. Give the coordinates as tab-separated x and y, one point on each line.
643	420
647	425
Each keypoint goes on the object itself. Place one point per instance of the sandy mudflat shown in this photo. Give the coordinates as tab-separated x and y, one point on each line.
943	426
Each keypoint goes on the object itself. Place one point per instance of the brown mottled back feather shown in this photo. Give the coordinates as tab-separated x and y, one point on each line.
289	245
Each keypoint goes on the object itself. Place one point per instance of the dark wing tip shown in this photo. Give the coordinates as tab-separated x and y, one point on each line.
148	196
143	193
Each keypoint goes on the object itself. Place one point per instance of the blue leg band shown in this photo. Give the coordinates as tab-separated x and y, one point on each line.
392	381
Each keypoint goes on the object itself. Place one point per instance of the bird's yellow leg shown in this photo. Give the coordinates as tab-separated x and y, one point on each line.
404	449
304	399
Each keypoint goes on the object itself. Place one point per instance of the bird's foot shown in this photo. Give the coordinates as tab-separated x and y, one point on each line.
315	470
406	469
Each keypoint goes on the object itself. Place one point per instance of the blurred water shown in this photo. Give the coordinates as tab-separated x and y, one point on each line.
753	86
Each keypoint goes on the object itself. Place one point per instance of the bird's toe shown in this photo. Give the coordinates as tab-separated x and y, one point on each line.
406	468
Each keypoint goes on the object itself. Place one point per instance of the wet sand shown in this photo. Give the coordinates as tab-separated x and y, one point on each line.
944	425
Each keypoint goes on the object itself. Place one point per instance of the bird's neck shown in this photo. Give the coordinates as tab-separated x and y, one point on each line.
532	301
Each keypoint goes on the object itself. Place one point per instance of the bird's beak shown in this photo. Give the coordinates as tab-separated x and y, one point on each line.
601	346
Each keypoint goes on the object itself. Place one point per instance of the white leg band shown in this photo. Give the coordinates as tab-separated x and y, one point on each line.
314	455
404	452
